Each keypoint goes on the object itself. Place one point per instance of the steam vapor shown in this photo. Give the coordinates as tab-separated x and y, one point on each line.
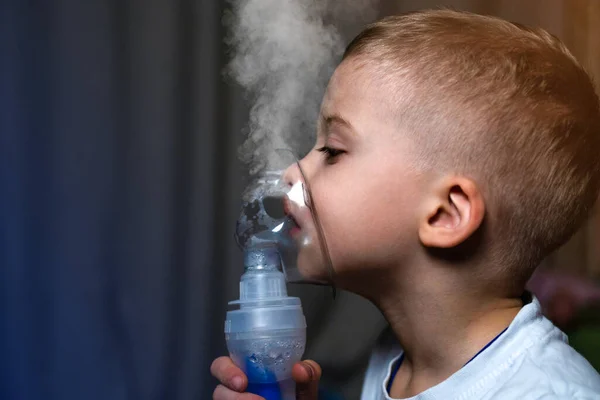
282	54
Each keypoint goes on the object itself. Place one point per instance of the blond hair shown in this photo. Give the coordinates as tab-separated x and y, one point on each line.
505	104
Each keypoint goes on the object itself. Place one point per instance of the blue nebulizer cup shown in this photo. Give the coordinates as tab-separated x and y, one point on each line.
266	329
266	336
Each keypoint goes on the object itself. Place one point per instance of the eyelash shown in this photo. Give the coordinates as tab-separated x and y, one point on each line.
330	153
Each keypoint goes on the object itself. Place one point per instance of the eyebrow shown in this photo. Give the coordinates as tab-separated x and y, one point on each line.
331	119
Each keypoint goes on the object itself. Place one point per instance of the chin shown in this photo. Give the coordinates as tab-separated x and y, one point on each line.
311	267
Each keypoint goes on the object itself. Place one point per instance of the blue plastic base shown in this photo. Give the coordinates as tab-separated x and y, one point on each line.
270	391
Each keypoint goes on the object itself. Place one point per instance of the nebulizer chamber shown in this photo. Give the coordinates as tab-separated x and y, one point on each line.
266	333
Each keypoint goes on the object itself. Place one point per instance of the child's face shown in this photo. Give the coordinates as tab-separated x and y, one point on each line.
364	189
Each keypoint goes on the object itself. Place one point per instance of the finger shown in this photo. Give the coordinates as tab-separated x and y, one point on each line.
224	393
307	375
229	374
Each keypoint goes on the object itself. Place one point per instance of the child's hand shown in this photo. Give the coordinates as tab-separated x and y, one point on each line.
233	381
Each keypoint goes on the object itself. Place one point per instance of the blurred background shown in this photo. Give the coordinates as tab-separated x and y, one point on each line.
120	187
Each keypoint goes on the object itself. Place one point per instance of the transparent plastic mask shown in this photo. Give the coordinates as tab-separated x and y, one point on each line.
282	215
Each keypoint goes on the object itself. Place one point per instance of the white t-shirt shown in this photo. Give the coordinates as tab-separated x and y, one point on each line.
530	360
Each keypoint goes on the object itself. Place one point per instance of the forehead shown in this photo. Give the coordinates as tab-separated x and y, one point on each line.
357	92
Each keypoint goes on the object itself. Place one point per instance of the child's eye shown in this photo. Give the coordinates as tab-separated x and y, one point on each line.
330	153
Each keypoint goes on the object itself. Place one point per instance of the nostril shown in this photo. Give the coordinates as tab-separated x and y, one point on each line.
291	174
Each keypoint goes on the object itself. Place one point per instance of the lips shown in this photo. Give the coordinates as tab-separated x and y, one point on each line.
287	209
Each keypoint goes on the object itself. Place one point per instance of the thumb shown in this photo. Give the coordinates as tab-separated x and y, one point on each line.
306	374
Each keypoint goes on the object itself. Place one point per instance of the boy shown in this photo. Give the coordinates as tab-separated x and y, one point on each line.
454	152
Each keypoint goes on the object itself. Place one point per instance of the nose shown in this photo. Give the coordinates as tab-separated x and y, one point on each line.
298	192
292	174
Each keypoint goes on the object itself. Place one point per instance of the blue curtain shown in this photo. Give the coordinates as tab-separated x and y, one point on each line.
116	170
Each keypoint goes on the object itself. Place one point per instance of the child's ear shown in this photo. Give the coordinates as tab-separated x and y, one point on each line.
452	213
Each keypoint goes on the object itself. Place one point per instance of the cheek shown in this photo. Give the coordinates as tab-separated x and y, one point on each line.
366	219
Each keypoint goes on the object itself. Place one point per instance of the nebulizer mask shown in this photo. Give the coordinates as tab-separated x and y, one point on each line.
282	239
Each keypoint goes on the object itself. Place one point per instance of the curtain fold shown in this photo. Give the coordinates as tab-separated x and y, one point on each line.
113	151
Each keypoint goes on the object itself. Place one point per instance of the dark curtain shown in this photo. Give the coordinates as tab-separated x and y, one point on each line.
116	173
119	189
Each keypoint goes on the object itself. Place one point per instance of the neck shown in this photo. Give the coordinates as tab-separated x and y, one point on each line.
441	325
